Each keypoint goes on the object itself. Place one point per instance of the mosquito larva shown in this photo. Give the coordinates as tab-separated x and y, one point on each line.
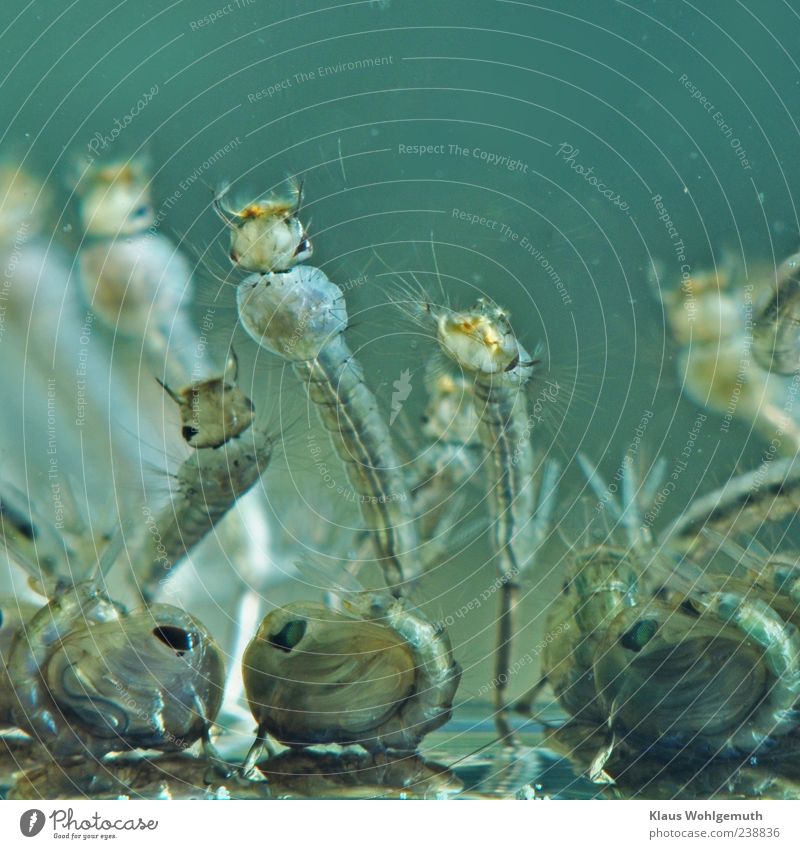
132	276
440	472
709	319
300	315
481	343
776	326
376	674
208	483
86	678
265	235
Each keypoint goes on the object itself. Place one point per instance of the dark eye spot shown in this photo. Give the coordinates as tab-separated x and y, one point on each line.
176	638
688	608
141	211
20	523
637	637
189	432
289	636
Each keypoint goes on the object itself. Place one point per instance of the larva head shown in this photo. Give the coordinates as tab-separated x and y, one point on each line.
480	340
150	679
213	411
313	675
705	308
115	200
266	235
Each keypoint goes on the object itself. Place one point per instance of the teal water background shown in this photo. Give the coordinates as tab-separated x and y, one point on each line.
462	123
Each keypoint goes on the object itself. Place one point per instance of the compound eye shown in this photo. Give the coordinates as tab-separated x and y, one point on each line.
176	638
637	637
289	636
188	432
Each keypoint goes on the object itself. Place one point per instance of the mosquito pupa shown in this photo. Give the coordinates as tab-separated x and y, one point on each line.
600	581
713	671
375	673
85	677
721	681
265	235
301	316
132	276
773	577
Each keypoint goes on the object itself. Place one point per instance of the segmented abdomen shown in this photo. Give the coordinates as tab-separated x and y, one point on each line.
349	412
503	429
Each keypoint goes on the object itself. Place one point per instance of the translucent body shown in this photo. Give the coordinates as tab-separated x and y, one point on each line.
722	683
87	679
50	356
213	411
266	235
481	342
770	493
301	316
378	675
600	584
